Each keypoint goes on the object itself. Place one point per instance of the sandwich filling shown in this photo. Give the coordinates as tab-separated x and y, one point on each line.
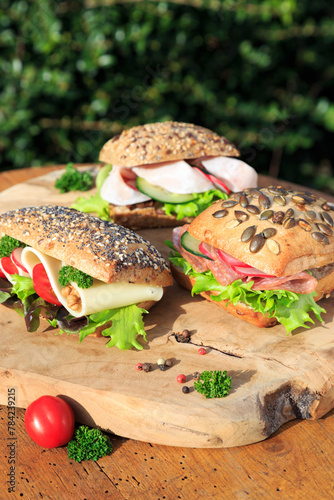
184	187
30	283
288	298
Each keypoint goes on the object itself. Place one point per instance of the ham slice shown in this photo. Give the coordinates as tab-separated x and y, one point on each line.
178	177
236	174
225	274
117	191
299	283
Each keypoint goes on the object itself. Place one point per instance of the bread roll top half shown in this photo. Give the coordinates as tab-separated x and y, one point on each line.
164	142
279	231
104	250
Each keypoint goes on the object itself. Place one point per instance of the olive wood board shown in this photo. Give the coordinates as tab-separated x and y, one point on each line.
275	377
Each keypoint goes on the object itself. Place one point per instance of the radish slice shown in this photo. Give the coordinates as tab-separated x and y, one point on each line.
212	178
203	247
231	260
16	258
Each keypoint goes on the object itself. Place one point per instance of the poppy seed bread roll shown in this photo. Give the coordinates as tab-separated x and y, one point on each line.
104	250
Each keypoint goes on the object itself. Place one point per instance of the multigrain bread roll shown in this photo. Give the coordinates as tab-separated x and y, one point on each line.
279	240
166	141
169	163
81	271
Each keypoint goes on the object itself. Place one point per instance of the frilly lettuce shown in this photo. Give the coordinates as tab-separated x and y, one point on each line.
122	324
196	206
291	309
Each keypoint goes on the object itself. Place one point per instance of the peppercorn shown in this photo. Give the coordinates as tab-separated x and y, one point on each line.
169	363
185	333
139	366
201	350
181	378
185	389
196	375
147	367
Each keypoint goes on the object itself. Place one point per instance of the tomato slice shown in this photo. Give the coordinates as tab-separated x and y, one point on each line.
43	286
8	266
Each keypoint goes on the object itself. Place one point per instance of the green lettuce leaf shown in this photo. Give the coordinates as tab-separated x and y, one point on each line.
196	206
95	203
4	296
291	309
23	286
127	323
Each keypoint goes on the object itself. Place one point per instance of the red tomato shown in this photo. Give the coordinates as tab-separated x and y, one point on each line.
43	286
49	421
8	266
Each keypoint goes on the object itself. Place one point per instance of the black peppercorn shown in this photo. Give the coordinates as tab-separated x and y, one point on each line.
185	389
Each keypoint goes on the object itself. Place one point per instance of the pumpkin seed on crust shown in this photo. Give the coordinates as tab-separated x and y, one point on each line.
273	246
256	243
219	214
248	234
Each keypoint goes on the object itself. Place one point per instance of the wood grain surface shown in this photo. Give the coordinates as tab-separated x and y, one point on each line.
295	460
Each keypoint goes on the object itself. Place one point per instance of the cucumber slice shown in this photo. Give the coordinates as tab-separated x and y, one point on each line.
191	244
160	194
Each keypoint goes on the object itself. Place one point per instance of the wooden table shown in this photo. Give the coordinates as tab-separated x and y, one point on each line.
295	462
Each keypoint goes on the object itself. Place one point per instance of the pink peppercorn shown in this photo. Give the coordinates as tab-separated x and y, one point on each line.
201	350
181	379
139	366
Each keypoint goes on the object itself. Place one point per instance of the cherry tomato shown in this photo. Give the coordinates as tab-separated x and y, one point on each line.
43	286
49	421
8	266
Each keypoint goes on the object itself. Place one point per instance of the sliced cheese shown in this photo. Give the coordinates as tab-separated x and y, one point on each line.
177	177
100	296
116	191
236	174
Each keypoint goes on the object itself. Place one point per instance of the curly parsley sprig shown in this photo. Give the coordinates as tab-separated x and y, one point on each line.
69	273
213	384
89	444
8	244
74	180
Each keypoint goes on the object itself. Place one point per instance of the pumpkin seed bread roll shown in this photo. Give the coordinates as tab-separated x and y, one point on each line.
268	253
278	231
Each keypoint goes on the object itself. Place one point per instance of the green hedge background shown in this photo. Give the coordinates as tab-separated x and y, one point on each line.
74	73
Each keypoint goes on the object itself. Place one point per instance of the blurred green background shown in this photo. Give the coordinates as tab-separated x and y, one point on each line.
74	73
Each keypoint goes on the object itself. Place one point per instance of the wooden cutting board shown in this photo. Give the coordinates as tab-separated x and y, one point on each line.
275	377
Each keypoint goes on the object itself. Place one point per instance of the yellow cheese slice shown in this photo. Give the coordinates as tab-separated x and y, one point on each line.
100	296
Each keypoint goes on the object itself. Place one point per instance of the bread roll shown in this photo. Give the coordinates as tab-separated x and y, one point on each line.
104	250
293	230
166	141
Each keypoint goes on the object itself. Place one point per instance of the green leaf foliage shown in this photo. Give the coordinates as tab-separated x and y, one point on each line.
291	309
74	74
69	273
74	180
196	206
213	384
88	444
122	325
8	244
